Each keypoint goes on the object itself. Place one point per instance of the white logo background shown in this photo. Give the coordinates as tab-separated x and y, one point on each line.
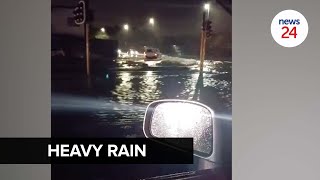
301	29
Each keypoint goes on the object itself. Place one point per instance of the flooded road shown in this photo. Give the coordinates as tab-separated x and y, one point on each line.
112	104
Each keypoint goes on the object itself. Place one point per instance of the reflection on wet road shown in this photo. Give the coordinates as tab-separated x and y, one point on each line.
114	104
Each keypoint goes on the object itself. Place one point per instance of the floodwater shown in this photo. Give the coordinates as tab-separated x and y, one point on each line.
112	104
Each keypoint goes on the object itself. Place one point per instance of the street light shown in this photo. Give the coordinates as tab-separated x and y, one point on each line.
151	21
207	7
126	27
103	29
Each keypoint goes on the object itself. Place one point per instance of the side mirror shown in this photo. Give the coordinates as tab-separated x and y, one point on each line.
182	119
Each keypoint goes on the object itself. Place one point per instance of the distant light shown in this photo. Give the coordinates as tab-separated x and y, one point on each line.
126	27
149	73
103	30
207	6
151	21
119	51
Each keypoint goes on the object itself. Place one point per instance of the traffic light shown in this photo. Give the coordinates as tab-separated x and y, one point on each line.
79	13
209	29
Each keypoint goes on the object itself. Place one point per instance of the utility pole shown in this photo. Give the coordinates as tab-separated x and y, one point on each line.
86	32
203	41
199	84
81	18
206	32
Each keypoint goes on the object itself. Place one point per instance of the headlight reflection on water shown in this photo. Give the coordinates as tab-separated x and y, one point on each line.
61	102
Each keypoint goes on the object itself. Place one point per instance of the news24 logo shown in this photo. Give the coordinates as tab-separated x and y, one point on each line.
289	28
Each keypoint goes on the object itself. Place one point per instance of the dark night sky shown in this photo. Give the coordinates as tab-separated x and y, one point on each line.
172	17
